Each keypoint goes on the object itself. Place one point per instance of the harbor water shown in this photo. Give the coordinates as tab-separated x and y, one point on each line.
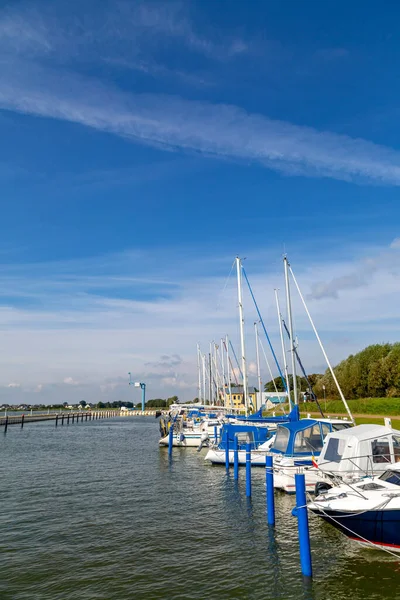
96	510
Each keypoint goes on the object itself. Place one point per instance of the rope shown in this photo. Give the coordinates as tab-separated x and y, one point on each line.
237	362
225	286
357	535
375	546
265	331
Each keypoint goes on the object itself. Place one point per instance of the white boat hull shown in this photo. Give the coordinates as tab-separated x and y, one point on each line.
218	457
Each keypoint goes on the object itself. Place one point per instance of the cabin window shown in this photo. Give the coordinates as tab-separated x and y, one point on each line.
309	440
340	426
234	397
381	450
281	439
334	450
325	429
245	437
391	477
396	448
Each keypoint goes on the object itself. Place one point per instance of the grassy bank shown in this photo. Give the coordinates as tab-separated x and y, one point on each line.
389	407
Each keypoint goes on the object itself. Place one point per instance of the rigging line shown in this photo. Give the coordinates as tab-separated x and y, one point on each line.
304	371
225	286
231	365
356	535
268	366
237	362
281	406
322	347
265	331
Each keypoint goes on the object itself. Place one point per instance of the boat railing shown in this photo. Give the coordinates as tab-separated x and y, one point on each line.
369	470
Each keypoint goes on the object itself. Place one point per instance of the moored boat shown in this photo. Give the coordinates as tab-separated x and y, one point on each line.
368	511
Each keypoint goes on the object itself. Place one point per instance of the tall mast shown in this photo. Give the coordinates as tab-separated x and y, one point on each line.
203	362
241	324
210	385
258	365
285	367
199	371
217	379
289	310
228	370
223	369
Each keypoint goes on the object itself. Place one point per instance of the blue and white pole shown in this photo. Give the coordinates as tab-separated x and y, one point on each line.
300	511
227	452
248	470
235	458
170	439
269	475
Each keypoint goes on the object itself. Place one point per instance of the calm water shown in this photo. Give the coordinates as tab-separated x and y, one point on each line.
96	510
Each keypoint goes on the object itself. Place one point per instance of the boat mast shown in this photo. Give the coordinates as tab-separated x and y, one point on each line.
289	310
228	364
285	367
217	378
258	365
210	385
199	371
223	368
203	362
241	324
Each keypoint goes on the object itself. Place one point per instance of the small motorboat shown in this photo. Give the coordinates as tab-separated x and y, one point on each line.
367	511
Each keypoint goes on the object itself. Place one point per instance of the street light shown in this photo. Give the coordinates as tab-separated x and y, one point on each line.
141	385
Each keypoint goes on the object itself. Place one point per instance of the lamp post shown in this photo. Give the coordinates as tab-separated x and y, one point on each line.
323	387
142	386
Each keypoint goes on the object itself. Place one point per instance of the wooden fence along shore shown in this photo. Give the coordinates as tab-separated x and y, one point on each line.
71	417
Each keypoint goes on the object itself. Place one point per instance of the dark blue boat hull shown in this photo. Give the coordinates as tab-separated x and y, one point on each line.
381	527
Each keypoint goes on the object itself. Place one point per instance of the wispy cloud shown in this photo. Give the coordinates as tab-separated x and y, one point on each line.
131	30
176	124
361	276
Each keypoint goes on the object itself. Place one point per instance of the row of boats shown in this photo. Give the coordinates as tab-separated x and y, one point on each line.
353	471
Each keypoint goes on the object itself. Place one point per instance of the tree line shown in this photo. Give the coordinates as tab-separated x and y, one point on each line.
372	373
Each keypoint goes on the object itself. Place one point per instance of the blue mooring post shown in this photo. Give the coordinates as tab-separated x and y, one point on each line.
215	434
235	458
227	451
248	470
143	386
269	476
170	439
302	517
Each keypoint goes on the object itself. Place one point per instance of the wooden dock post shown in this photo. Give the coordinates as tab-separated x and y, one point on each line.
68	419
73	417
56	420
62	419
22	421
6	425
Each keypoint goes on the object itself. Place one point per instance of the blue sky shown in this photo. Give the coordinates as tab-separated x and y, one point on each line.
144	144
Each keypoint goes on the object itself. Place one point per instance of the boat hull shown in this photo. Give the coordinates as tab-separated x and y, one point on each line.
218	457
379	527
190	440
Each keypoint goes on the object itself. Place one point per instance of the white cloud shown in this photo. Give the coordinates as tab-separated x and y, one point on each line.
14	385
70	381
176	124
395	245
